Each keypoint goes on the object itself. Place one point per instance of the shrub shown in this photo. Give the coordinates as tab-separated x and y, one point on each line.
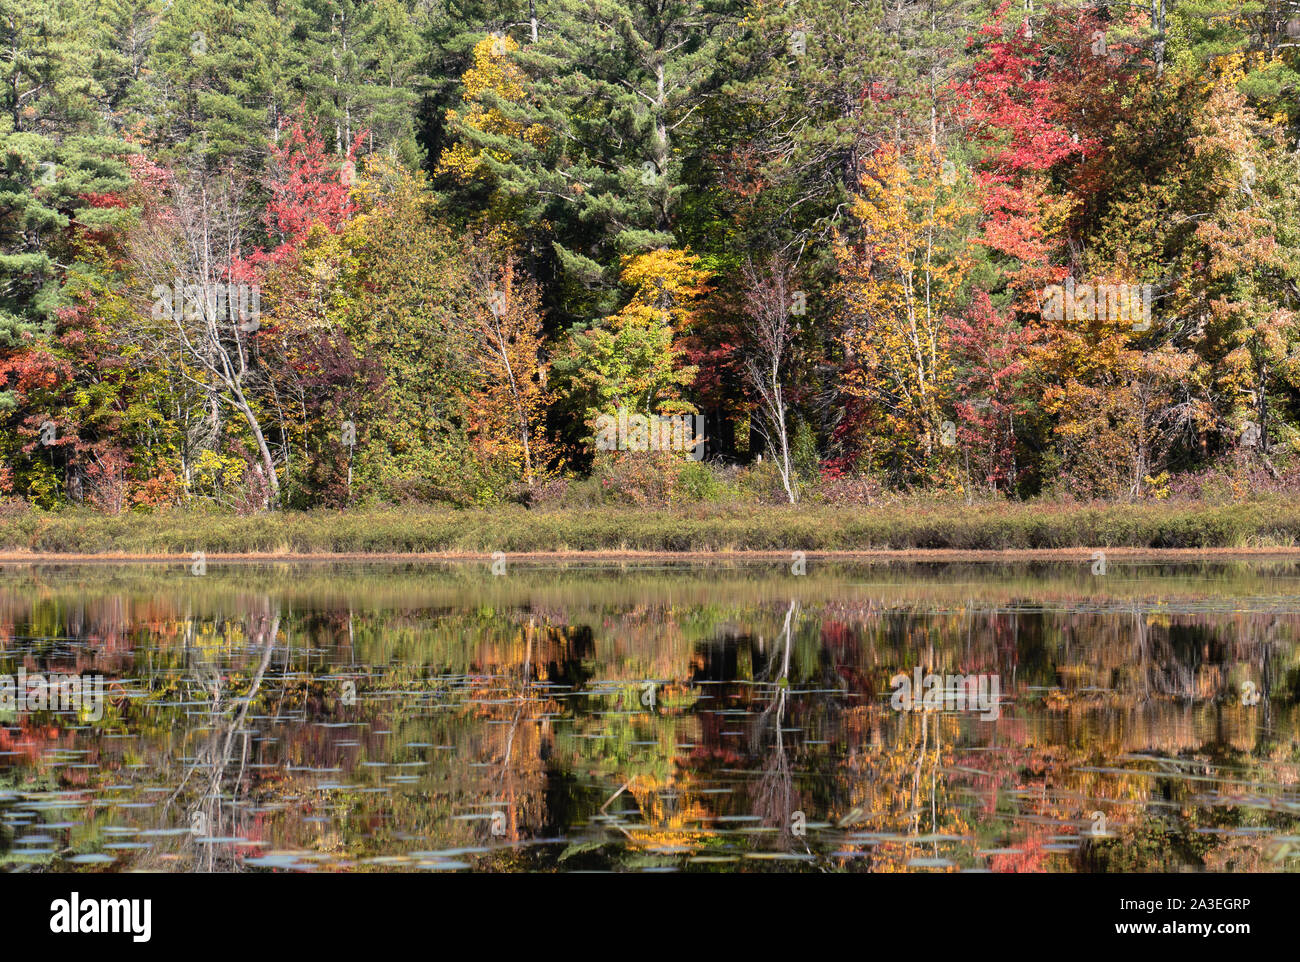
543	494
803	453
761	482
698	482
1237	477
638	478
845	489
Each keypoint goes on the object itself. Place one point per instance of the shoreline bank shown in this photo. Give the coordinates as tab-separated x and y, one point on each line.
920	556
910	530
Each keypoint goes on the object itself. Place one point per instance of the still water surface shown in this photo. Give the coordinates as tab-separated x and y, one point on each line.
372	717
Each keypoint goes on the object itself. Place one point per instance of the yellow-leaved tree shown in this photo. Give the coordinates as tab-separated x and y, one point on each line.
632	359
510	392
899	276
493	79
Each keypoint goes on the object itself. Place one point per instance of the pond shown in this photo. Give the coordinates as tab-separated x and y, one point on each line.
637	717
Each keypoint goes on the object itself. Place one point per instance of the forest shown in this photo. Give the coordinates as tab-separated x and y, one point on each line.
259	255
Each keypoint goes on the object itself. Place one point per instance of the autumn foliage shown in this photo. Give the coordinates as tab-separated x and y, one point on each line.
984	249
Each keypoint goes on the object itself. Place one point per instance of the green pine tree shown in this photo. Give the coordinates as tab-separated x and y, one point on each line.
616	84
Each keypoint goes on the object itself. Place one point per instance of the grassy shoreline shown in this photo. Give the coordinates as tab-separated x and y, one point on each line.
1255	525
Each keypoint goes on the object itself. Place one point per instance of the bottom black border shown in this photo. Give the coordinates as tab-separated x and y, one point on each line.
361	912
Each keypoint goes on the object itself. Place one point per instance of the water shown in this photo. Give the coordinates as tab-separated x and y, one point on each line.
731	717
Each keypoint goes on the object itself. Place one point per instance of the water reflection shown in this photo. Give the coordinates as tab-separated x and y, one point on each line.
673	719
219	821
